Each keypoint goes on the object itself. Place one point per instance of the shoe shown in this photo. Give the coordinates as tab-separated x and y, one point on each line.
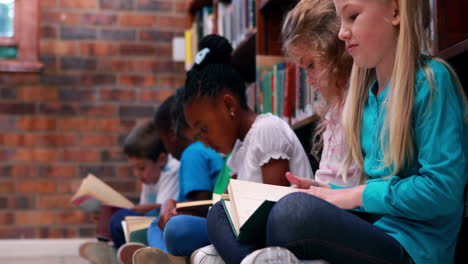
126	251
150	255
276	255
206	255
98	253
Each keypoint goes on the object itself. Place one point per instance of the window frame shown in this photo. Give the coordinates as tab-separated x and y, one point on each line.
25	38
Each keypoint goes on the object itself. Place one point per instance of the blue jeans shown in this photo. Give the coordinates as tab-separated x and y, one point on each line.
182	235
116	230
311	228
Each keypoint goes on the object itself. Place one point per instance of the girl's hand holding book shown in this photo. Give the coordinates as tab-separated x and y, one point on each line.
303	183
348	198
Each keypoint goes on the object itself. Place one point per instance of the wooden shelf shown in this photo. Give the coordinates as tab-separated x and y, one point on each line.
277	5
243	57
454	50
304	122
194	5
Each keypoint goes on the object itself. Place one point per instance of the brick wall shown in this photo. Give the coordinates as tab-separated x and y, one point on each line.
107	66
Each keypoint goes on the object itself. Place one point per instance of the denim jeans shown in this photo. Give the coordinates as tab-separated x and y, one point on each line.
311	228
182	235
116	230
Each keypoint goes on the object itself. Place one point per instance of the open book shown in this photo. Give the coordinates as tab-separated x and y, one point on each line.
248	206
198	208
93	192
135	228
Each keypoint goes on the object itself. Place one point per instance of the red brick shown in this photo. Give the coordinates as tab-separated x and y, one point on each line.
99	19
117	65
164	51
17	108
118	34
14	139
136	111
7	187
113	155
8	122
127	125
98	110
17	232
73	217
78	63
6	218
57	232
58	109
40	93
109	125
155	96
117	94
57	171
7	154
124	172
138	80
97	140
155	66
116	4
171	80
27	186
98	79
49	32
37	155
98	48
35	218
24	171
138	50
68	186
36	123
57	47
60	17
79	155
77	33
138	20
180	7
84	4
54	202
22	202
55	140
155	5
168	21
48	3
77	124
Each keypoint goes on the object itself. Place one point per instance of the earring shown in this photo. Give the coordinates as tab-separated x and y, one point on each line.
233	114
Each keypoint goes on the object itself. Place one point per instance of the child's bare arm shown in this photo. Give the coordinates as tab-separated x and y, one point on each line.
273	172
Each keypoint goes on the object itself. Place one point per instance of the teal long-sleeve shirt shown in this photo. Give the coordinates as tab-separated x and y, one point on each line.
423	205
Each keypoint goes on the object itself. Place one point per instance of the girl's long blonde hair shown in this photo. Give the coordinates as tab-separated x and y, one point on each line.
397	129
314	24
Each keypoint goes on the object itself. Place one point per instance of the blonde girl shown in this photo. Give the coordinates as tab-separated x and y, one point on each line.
310	39
406	122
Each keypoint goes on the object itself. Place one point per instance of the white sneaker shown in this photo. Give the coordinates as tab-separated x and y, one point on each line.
276	255
206	255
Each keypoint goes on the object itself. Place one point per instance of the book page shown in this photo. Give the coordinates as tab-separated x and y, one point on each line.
133	223
248	196
232	216
98	189
194	203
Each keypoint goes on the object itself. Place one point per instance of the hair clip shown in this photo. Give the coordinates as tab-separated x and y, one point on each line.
201	55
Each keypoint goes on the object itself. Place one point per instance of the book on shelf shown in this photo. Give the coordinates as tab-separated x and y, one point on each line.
93	192
135	228
282	89
248	206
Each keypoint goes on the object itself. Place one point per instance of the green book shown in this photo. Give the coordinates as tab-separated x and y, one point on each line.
248	207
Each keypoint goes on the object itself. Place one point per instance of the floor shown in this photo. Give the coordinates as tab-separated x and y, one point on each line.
41	251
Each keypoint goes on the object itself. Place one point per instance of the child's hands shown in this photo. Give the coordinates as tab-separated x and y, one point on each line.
303	183
168	210
348	198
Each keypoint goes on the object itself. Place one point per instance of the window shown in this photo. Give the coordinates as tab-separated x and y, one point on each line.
19	36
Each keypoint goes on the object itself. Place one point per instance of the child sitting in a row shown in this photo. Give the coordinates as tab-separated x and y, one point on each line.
156	170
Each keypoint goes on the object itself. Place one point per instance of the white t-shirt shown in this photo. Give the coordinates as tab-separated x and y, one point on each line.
269	138
166	188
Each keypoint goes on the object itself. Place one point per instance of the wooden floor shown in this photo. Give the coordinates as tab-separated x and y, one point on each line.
43	260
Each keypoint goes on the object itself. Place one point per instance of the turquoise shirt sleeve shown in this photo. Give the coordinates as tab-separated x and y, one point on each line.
435	186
